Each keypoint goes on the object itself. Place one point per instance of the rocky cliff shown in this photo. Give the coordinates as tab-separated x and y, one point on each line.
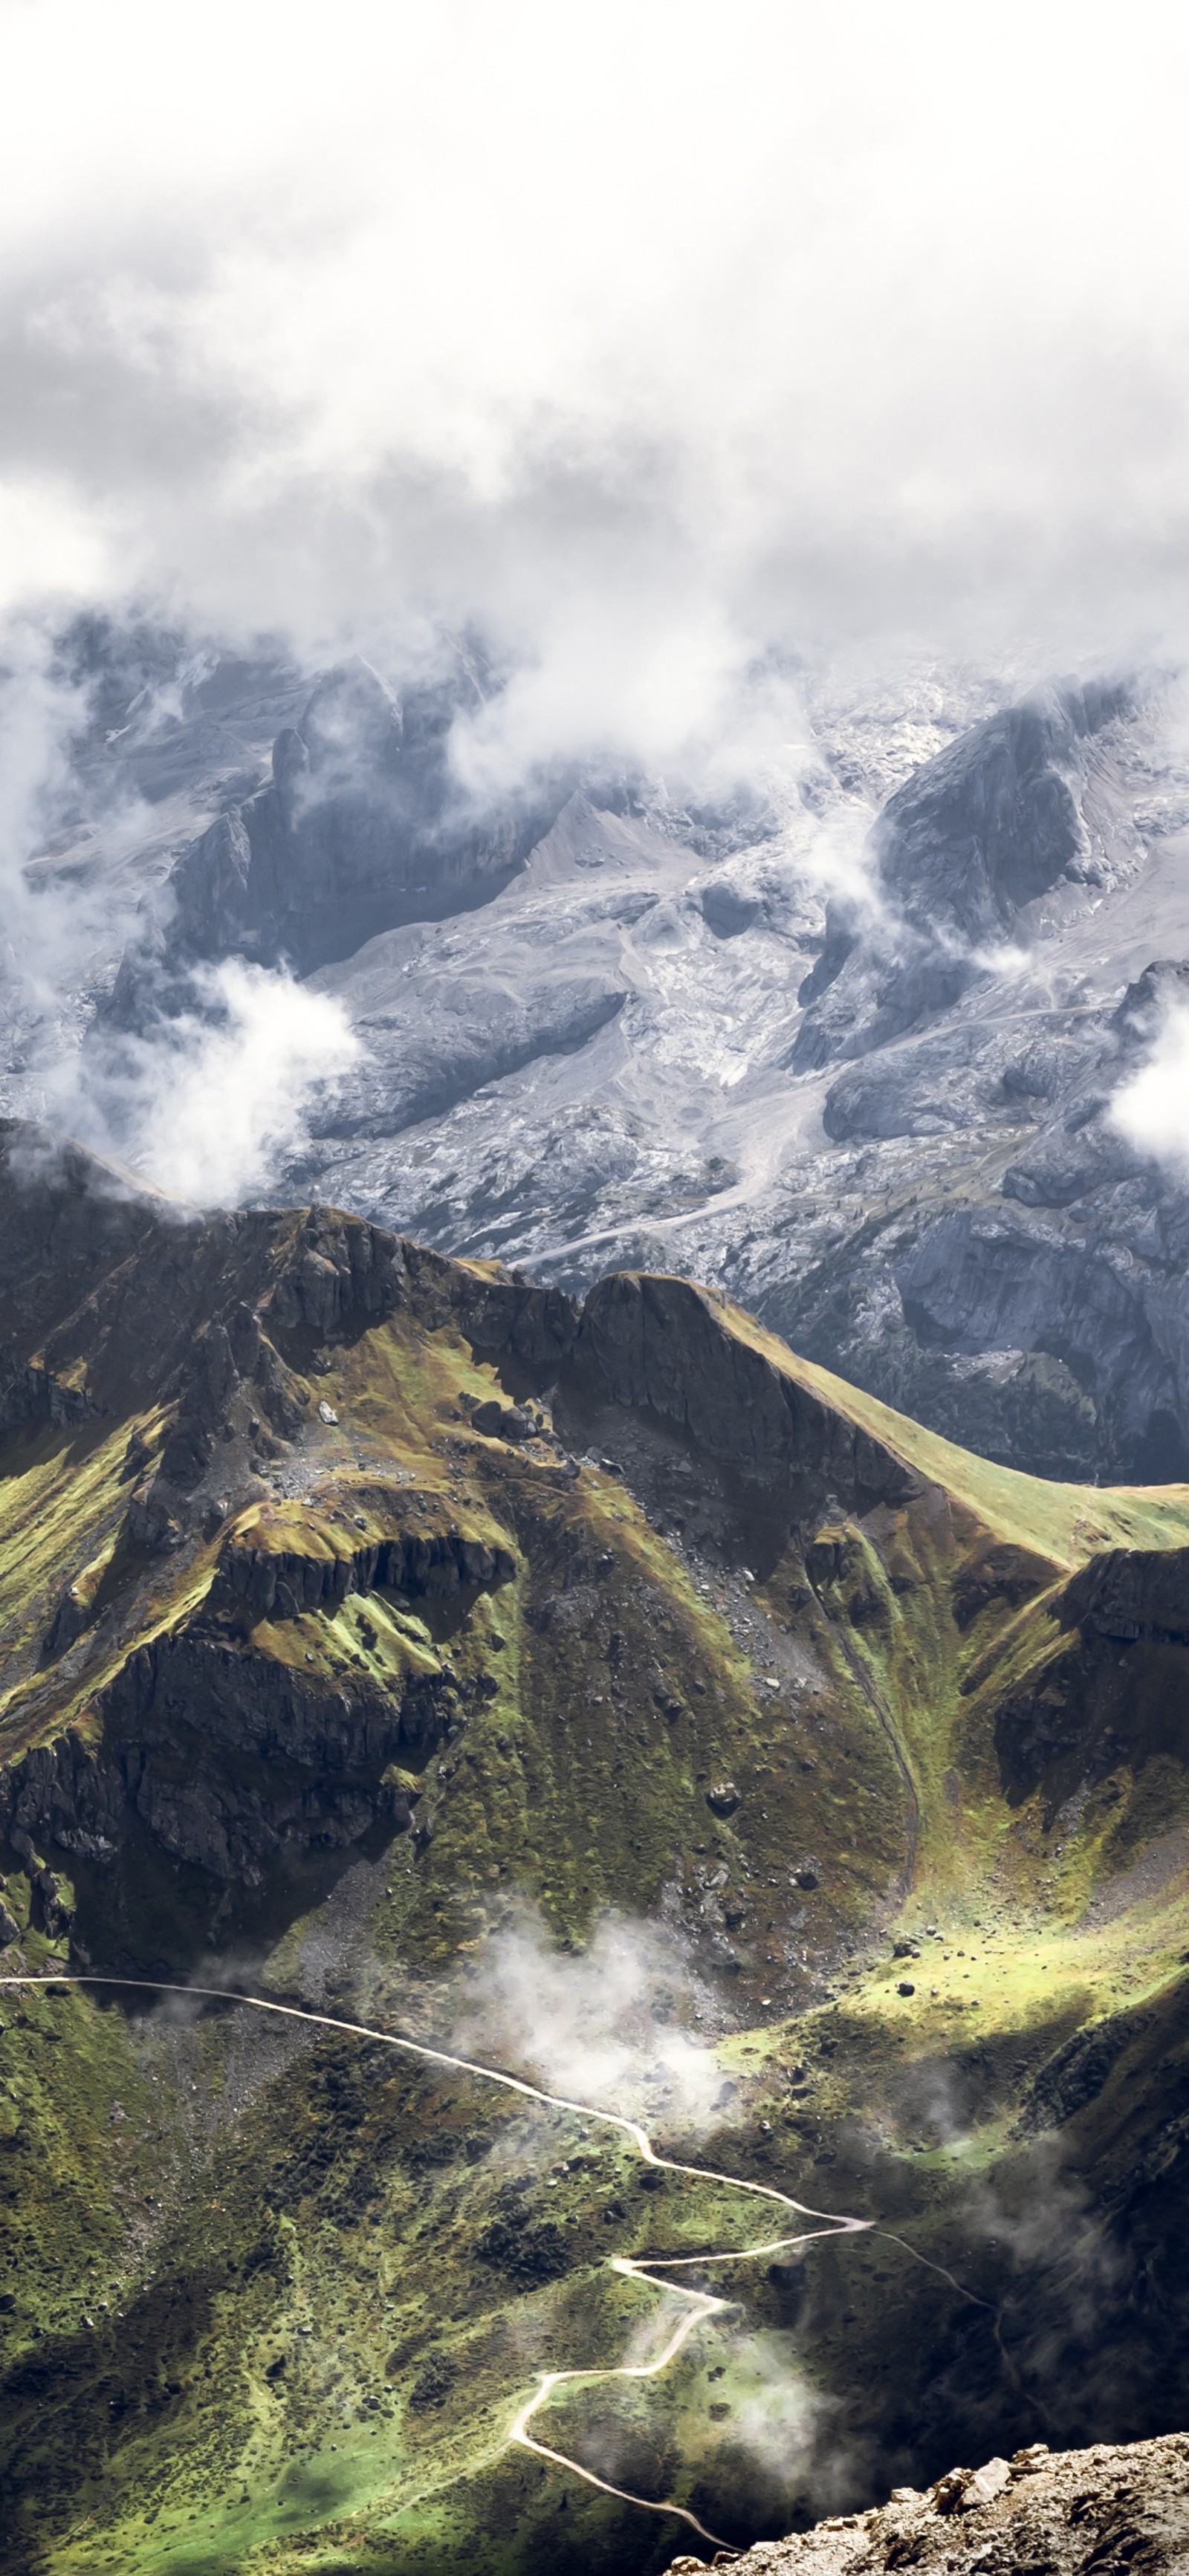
360	827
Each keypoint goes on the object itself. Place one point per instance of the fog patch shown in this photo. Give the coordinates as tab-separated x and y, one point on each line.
601	2026
1152	1110
210	1103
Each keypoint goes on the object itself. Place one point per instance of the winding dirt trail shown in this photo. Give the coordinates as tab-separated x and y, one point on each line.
698	2304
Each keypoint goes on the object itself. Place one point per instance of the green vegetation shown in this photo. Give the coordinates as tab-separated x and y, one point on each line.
272	2296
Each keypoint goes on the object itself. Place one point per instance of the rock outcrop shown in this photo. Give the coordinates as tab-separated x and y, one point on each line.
361	827
1104	2510
960	851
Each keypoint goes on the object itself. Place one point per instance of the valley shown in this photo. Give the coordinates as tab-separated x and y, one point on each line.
606	1697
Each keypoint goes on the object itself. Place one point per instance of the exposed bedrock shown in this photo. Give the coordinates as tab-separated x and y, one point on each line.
109	1299
226	1759
663	1345
361	827
1131	1593
282	1584
958	853
1115	1693
1106	2508
1078	1152
951	1079
660	1343
443	1045
990	824
974	1283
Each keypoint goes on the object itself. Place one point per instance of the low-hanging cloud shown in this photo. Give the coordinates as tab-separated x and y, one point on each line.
1152	1109
604	2025
214	1100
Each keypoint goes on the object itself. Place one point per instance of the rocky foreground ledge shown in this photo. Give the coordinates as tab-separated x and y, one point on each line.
1103	2511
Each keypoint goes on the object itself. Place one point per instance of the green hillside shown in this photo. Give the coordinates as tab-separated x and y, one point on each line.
376	1631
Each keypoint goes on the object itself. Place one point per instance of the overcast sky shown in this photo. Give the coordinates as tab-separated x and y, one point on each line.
646	335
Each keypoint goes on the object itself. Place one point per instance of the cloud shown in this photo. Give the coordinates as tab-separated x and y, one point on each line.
600	2025
210	1103
205	1105
38	716
1152	1109
784	2423
641	340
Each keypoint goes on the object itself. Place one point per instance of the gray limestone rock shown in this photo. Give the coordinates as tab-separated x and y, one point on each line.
959	854
360	827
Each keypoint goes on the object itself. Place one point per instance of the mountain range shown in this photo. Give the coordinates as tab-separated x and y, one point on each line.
847	1041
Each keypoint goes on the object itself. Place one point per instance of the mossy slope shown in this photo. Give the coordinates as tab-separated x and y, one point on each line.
350	1597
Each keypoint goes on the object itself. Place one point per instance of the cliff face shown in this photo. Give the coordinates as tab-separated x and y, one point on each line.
353	1599
359	828
960	851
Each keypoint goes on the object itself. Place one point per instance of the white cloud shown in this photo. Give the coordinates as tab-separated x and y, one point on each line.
209	1105
599	2026
644	337
1152	1109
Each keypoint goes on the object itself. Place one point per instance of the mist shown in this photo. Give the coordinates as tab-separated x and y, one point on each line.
607	2025
208	1106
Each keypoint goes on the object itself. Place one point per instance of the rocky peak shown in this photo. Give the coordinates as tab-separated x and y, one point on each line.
362	827
958	853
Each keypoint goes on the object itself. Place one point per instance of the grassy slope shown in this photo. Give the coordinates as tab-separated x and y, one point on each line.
309	2250
1068	1522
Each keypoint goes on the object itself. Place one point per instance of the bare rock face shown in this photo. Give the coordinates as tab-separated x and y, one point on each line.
1128	1596
664	1344
1107	2509
359	829
961	849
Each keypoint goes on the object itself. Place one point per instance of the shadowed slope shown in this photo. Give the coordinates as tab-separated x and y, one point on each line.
351	1598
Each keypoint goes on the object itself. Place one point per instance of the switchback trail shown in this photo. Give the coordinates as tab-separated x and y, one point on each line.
698	2303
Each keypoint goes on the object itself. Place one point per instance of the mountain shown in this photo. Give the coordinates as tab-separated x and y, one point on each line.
355	1600
845	1042
356	830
